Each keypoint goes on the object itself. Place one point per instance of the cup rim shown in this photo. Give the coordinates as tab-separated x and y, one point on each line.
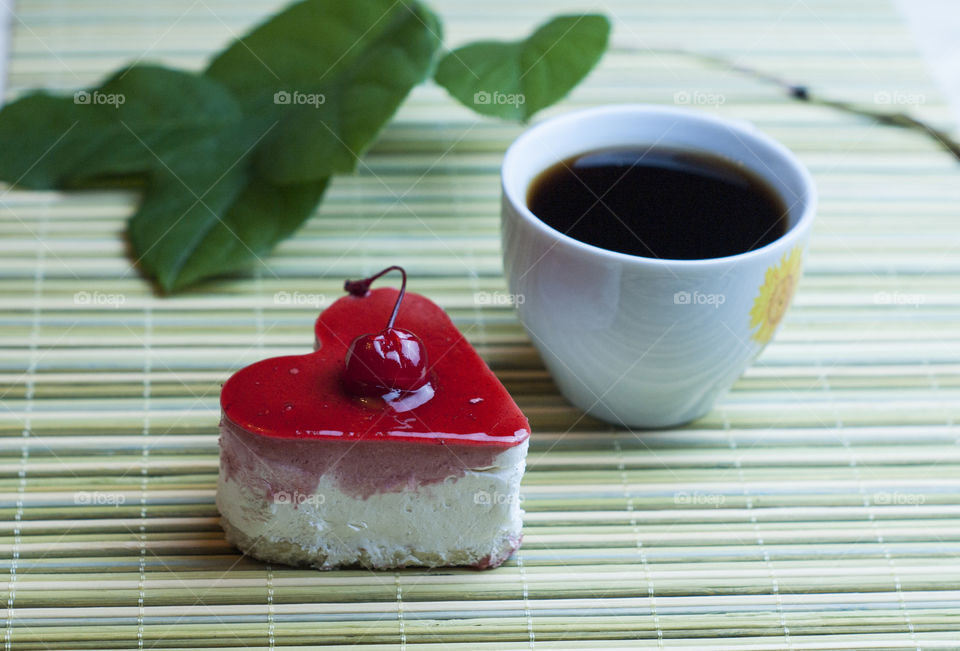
744	129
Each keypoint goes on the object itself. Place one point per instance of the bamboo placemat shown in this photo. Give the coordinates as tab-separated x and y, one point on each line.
818	506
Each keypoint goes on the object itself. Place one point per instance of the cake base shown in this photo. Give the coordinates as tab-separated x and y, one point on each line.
290	553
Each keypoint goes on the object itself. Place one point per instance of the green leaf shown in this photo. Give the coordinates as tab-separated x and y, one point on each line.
181	241
118	128
260	216
188	191
206	211
166	231
514	80
344	68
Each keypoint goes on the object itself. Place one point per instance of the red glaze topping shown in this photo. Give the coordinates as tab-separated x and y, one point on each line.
303	397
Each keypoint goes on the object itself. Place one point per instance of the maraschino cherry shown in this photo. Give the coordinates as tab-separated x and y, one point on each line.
392	360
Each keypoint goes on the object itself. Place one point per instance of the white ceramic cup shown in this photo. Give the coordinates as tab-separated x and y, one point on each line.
646	342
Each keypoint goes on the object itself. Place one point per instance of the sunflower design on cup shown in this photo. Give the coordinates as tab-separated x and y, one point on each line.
775	295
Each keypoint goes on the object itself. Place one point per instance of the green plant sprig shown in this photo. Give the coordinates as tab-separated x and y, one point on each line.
234	159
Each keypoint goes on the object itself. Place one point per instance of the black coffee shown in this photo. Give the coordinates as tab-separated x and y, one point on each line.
659	203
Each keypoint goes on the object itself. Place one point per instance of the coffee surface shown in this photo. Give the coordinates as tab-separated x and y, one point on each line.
659	203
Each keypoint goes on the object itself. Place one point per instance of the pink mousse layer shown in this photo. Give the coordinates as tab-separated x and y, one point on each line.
361	468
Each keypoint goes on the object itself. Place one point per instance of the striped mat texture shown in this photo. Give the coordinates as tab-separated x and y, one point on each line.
817	506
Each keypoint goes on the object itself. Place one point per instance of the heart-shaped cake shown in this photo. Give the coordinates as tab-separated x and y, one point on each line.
382	450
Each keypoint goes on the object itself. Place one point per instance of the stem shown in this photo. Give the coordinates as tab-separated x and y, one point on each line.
361	287
802	93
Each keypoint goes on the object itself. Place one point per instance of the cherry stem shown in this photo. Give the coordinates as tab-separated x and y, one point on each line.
361	287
